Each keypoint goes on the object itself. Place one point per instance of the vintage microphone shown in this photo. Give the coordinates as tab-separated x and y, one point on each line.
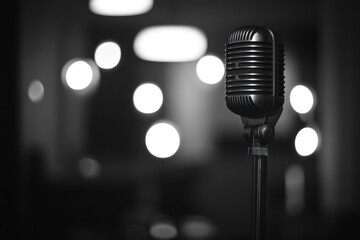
254	90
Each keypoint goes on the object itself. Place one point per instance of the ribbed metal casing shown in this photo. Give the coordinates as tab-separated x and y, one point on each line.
254	72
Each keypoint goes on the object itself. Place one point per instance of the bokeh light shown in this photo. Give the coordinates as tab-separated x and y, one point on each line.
81	75
36	91
89	167
148	98
163	230
162	140
210	69
170	44
120	7
306	141
197	227
301	99
107	55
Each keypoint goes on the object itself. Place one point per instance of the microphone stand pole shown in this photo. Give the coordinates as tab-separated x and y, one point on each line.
259	136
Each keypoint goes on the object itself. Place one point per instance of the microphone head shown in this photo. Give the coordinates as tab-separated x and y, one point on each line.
254	59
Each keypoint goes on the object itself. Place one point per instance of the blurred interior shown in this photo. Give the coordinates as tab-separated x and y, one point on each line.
203	191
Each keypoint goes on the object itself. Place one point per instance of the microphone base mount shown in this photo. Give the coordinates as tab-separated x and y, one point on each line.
260	131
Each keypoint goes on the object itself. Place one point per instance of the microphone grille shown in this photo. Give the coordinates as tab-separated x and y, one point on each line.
254	71
281	77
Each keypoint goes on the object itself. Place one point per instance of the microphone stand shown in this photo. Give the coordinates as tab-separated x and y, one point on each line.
259	154
259	136
259	171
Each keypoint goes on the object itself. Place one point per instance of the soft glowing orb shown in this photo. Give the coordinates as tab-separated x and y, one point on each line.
210	69
163	230
198	227
170	44
301	99
89	167
148	98
36	91
120	7
107	55
162	140
79	75
306	141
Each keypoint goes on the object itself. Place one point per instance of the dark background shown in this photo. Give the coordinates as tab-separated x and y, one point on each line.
43	194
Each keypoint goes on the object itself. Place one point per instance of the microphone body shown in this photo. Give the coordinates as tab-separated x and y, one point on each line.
254	90
254	59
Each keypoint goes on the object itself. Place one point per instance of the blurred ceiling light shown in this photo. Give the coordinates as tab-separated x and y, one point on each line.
170	44
81	75
210	69
120	7
301	99
107	55
148	98
306	141
36	91
162	140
